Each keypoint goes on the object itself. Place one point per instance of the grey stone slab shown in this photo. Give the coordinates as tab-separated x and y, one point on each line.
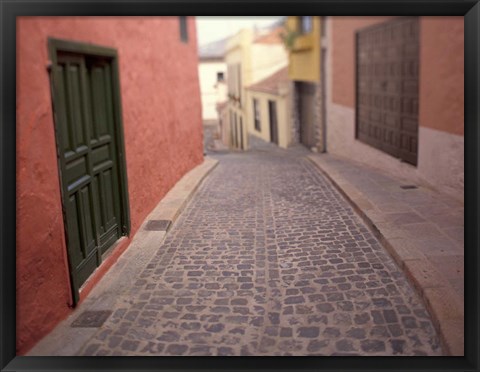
457	234
422	230
91	319
438	246
403	218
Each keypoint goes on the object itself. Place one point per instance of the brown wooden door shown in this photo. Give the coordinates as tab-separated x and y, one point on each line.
306	108
235	131
241	132
387	87
232	133
272	112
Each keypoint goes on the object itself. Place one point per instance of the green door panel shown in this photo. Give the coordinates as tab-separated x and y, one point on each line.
88	148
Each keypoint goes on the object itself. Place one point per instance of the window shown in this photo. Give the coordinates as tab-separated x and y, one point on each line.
220	76
323	26
183	29
256	115
305	24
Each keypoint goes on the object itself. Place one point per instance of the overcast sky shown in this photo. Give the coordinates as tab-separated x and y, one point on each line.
215	28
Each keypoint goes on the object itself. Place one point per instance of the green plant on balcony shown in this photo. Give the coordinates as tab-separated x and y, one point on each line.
288	37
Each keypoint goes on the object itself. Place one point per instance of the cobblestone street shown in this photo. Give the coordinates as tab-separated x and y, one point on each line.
268	259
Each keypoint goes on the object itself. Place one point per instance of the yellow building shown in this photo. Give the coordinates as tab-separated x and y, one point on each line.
268	109
303	38
237	58
251	56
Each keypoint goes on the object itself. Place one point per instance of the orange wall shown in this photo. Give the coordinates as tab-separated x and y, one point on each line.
441	96
441	103
163	139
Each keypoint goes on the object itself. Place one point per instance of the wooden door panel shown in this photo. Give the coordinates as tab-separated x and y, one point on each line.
76	249
87	150
98	102
272	110
387	87
106	186
85	210
74	104
306	113
103	152
61	110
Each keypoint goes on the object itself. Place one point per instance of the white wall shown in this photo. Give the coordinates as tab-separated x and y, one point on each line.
238	52
267	59
283	116
211	91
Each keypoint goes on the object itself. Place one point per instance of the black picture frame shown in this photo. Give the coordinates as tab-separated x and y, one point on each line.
10	9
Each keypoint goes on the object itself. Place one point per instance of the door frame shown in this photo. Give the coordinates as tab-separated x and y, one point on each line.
59	45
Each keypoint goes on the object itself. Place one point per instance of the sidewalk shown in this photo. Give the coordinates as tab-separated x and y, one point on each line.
421	229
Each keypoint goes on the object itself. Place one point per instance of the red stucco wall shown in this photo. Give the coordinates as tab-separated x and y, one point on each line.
163	139
442	74
441	97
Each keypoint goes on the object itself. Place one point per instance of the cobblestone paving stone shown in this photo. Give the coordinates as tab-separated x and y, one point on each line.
268	259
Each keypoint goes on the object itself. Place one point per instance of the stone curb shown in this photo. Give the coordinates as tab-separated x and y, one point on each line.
114	285
444	305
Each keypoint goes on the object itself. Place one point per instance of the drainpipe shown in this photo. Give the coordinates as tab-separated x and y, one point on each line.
323	83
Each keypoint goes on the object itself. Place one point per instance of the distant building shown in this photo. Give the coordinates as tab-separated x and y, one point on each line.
306	70
223	124
269	109
385	91
108	120
251	56
212	74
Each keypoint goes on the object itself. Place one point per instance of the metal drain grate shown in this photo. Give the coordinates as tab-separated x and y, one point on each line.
91	319
408	187
158	225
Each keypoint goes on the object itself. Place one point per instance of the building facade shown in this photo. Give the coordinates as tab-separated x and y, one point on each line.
268	108
212	74
395	96
104	130
251	56
304	37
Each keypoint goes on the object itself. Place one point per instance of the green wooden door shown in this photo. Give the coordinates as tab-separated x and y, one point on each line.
88	146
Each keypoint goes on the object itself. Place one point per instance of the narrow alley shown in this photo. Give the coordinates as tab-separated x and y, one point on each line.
267	259
255	186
